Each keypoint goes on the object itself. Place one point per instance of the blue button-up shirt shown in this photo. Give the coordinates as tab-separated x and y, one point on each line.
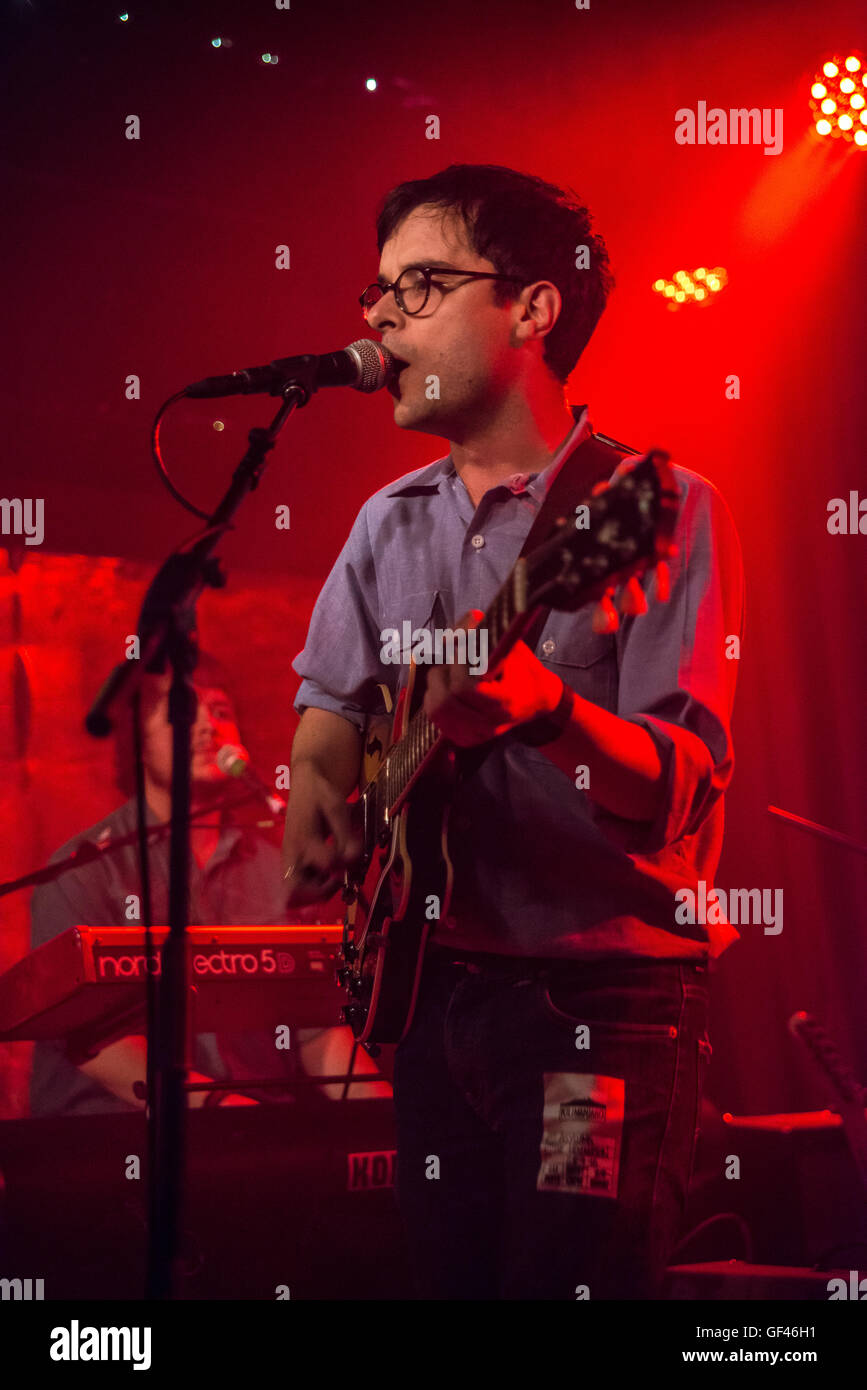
540	868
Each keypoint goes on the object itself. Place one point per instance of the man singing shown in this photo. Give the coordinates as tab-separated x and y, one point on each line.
548	1090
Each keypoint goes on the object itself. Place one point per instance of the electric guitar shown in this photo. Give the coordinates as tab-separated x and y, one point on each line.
402	810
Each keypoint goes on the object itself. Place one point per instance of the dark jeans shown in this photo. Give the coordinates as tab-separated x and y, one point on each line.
490	1215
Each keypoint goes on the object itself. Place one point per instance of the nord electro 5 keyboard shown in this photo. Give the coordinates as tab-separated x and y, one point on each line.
89	982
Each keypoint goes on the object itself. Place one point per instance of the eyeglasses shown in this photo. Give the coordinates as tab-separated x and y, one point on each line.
413	286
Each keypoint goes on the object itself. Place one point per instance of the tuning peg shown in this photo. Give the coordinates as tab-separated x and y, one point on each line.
663	582
632	599
605	617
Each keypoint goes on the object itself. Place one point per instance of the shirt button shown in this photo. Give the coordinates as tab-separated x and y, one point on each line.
478	541
548	646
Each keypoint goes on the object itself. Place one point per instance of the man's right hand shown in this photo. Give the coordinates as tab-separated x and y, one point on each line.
319	841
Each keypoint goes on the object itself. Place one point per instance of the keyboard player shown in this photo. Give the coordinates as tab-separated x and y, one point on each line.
235	879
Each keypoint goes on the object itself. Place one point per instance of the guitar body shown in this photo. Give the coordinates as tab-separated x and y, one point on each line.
410	882
403	883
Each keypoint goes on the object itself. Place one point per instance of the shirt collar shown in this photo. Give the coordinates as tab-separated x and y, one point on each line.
536	484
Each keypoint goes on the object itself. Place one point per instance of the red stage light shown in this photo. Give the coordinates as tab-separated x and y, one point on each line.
834	95
699	286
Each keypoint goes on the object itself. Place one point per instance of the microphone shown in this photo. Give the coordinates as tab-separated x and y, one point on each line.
235	762
364	365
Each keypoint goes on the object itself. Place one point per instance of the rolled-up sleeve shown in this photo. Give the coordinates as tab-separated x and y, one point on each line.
678	666
340	664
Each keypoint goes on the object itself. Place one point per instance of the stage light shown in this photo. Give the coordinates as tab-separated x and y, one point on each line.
698	287
216	43
861	138
833	91
370	84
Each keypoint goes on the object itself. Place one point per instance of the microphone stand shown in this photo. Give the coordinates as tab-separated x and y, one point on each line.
167	632
823	832
89	850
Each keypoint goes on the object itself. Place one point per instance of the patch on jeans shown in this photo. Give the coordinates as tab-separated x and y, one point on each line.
582	1133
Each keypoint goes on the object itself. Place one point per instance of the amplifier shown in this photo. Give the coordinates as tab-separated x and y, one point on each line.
798	1191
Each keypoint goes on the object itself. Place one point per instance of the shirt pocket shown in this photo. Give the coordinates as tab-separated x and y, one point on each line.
584	659
409	614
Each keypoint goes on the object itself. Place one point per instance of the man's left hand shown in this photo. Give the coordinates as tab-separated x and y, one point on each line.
472	709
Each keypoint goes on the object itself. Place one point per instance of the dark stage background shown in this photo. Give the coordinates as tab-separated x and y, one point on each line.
156	257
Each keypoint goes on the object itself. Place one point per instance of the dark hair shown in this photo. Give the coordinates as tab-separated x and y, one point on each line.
527	228
209	673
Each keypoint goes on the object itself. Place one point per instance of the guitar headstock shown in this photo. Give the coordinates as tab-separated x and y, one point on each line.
622	529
